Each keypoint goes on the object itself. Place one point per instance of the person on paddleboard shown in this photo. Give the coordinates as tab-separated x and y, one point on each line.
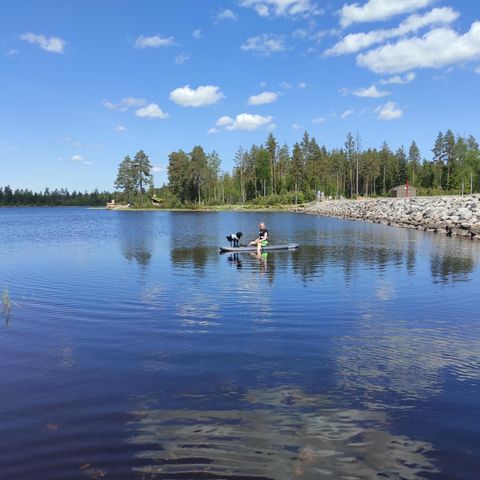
262	240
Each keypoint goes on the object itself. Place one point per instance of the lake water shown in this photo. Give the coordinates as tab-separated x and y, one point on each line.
134	350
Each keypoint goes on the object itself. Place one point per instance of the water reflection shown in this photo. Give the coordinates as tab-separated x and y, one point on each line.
135	231
280	434
449	269
196	257
398	358
448	264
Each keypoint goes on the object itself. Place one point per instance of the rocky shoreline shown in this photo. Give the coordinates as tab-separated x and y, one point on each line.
450	215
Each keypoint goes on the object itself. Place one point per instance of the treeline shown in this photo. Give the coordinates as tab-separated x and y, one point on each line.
271	173
52	198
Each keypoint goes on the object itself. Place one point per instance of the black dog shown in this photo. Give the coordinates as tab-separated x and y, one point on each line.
234	239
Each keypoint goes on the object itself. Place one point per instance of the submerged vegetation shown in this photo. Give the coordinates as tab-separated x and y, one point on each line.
6	304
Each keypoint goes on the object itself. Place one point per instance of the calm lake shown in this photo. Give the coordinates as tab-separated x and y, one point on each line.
134	350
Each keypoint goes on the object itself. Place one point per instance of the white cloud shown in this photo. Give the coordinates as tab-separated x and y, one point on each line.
285	85
302	85
124	104
213	130
226	14
120	128
296	126
319	120
477	70
347	113
158	169
154	41
77	158
398	80
355	42
247	121
223	121
283	8
375	10
12	52
438	48
389	111
200	97
182	58
50	44
369	92
152	110
265	44
263	98
197	34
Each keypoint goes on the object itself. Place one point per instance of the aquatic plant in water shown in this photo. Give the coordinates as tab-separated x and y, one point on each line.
6	302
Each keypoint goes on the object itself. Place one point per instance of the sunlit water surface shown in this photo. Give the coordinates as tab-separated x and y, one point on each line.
133	350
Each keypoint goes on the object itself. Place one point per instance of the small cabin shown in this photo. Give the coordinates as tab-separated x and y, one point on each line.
402	192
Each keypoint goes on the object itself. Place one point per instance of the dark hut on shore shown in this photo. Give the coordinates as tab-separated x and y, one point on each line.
402	191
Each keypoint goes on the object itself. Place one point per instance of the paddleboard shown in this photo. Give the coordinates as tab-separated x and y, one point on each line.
268	248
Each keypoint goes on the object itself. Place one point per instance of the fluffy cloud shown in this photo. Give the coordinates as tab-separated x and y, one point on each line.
375	10
124	104
389	111
154	41
152	110
226	14
347	113
120	129
263	98
354	42
200	97
223	121
247	121
284	8
438	48
370	92
265	44
50	44
398	80
213	130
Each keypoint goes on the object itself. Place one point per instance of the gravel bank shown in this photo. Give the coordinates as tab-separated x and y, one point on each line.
450	215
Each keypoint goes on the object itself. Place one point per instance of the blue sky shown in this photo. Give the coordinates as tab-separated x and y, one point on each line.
84	83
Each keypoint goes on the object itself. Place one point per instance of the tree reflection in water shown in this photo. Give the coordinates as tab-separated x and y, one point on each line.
135	230
279	434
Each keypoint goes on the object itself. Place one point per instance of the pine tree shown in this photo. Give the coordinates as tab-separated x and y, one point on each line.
125	177
271	146
438	159
413	159
141	172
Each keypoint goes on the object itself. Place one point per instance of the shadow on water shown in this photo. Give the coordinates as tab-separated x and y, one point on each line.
280	433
